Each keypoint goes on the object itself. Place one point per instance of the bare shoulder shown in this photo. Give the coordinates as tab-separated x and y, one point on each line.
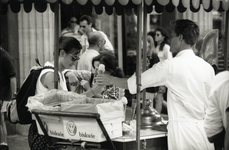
47	79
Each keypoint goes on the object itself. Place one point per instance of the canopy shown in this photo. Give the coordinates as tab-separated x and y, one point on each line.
120	6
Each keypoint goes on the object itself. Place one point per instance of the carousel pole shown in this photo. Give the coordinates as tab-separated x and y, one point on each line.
56	41
138	73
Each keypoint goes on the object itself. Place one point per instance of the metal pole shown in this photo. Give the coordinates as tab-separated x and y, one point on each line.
120	43
226	48
144	47
138	73
56	43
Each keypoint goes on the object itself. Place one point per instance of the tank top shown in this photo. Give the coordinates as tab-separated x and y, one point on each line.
40	87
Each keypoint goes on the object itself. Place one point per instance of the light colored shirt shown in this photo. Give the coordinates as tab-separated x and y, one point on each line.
85	62
108	46
216	118
69	33
188	79
165	53
40	87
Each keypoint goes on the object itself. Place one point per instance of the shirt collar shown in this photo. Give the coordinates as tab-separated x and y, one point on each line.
186	51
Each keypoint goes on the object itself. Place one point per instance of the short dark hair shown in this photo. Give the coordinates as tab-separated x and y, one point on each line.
188	29
69	44
87	18
69	19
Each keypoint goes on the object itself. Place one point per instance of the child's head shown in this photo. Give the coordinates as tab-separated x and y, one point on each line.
110	62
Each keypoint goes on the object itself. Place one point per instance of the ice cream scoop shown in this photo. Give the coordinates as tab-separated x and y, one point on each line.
101	69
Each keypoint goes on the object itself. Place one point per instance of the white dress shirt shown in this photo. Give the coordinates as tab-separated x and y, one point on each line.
216	118
69	33
85	62
188	79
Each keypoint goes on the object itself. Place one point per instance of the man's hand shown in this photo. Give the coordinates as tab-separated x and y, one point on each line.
103	79
121	93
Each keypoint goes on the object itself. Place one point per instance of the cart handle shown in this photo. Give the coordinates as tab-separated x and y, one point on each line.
81	144
66	114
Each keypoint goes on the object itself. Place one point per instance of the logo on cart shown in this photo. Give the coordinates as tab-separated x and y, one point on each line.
71	128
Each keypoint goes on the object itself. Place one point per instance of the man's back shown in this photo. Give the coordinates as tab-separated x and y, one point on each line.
189	84
85	62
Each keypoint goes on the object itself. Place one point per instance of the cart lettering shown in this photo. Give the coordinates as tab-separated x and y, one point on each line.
56	133
86	135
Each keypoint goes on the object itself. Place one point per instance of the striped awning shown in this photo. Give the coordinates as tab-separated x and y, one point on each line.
116	6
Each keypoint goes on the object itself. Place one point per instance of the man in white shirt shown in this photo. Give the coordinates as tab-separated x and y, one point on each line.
188	79
96	44
86	27
216	119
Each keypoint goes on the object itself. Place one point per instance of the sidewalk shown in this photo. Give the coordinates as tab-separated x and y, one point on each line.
18	142
17	138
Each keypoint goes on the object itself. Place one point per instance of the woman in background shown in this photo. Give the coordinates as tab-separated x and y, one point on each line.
73	29
150	44
162	48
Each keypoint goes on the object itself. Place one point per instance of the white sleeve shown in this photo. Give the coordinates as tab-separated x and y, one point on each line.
216	118
213	119
131	82
108	44
84	40
155	76
64	31
166	52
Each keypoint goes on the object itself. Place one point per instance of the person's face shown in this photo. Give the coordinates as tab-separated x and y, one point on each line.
101	44
96	64
85	27
72	22
159	37
68	59
175	43
150	41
